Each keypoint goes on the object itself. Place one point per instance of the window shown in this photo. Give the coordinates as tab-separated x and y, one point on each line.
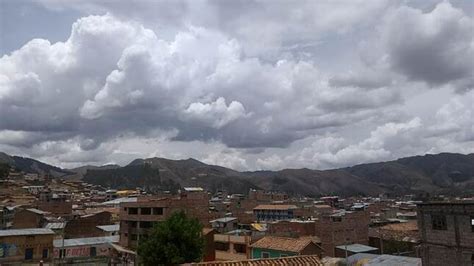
45	253
145	211
133	224
28	254
134	237
158	211
222	246
240	248
146	224
439	222
132	210
265	255
93	252
125	208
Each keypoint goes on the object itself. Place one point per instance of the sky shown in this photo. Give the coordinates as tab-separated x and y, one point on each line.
249	85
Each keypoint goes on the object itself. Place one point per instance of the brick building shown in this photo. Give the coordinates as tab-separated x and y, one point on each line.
29	218
137	218
275	212
55	203
342	228
294	228
26	245
447	233
86	225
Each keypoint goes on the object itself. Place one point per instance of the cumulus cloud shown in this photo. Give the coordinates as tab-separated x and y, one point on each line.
202	73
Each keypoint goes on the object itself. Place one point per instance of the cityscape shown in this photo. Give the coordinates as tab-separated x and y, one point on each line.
237	132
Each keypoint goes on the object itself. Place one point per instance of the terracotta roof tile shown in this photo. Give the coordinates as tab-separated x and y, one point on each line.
283	243
307	260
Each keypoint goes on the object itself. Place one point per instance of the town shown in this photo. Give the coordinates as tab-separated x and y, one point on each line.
55	221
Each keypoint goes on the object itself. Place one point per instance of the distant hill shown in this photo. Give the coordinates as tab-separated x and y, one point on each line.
447	173
29	165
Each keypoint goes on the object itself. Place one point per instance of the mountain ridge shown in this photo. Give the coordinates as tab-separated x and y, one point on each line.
430	173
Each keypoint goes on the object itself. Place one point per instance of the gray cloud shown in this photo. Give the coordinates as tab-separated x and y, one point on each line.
138	83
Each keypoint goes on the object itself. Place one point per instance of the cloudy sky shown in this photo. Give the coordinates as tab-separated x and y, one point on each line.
254	84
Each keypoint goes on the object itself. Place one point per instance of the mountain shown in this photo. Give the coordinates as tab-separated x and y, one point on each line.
447	173
29	165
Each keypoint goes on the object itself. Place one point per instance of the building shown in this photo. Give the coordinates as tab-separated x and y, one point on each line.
225	224
26	245
84	250
397	238
137	218
6	217
86	225
232	246
209	245
267	213
29	218
55	203
292	228
110	229
267	196
447	233
276	247
342	228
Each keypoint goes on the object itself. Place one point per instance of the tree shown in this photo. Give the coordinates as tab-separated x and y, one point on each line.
176	240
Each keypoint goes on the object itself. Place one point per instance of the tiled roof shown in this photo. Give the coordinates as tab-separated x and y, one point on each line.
275	207
283	243
308	260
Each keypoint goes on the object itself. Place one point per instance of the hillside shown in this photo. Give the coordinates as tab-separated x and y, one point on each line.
32	166
446	173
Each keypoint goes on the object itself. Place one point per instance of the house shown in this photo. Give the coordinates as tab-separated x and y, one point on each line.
26	245
233	245
266	212
225	224
29	218
86	225
274	247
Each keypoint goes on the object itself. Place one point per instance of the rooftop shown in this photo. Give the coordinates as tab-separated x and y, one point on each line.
37	211
55	226
193	189
26	232
109	228
357	248
275	207
223	220
118	201
283	243
85	241
307	260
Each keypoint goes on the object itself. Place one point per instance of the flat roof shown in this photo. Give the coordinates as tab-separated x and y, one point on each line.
224	220
119	200
109	228
357	248
26	232
85	241
275	207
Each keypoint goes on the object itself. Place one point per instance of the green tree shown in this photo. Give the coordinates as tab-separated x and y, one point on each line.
176	240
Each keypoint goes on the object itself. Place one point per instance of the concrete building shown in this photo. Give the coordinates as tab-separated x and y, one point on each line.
232	246
447	233
267	213
26	245
225	224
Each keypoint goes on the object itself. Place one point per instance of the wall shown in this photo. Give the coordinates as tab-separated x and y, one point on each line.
26	219
13	248
257	253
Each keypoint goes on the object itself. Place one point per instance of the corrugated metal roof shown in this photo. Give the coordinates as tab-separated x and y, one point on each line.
109	228
85	241
25	232
390	260
224	220
37	211
119	200
357	248
55	226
